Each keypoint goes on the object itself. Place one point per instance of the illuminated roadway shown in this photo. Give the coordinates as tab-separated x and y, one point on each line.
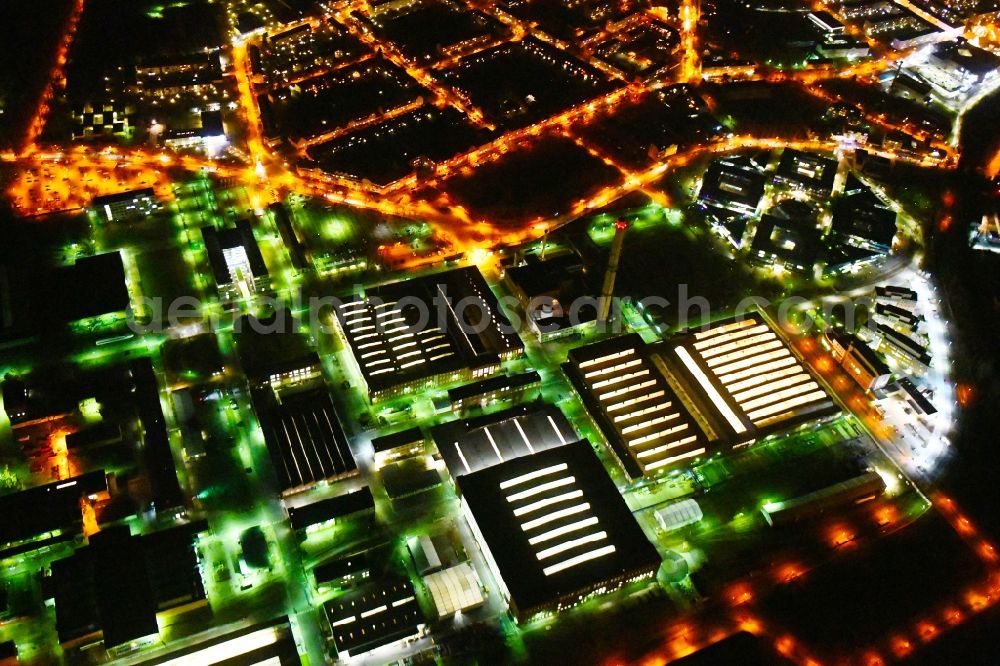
269	178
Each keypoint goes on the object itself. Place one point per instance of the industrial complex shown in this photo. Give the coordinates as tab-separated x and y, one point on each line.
417	332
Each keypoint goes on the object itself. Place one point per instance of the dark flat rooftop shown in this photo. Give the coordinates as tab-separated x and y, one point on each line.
373	616
119	582
46	508
864	216
493	384
157	457
470	445
91	287
793	241
329	509
415	329
811	171
396	439
408	478
122	589
341	567
726	184
272	344
555	524
304	437
119	197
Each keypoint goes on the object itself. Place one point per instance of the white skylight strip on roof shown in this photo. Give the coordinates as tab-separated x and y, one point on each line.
401	336
378	361
555	515
787	405
548	501
358	338
359	318
779	358
613	368
748	353
413	363
611	381
790	392
805	383
399	602
347	620
382	372
569	545
783	359
579	559
771	386
606	357
493	443
353	305
560	531
732	326
651	409
531	476
730	332
520	430
673	459
558	431
387	304
719	342
652	395
444	355
461	456
650	453
375	352
648	423
709	390
374	611
539	489
369	344
415	352
361	329
738	345
440	346
625	389
659	434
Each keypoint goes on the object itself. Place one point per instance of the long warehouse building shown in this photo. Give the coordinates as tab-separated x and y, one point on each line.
643	419
554	529
702	391
444	327
744	379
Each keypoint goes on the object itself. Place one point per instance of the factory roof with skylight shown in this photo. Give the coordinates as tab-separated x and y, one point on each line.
469	445
645	422
555	529
421	328
744	378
